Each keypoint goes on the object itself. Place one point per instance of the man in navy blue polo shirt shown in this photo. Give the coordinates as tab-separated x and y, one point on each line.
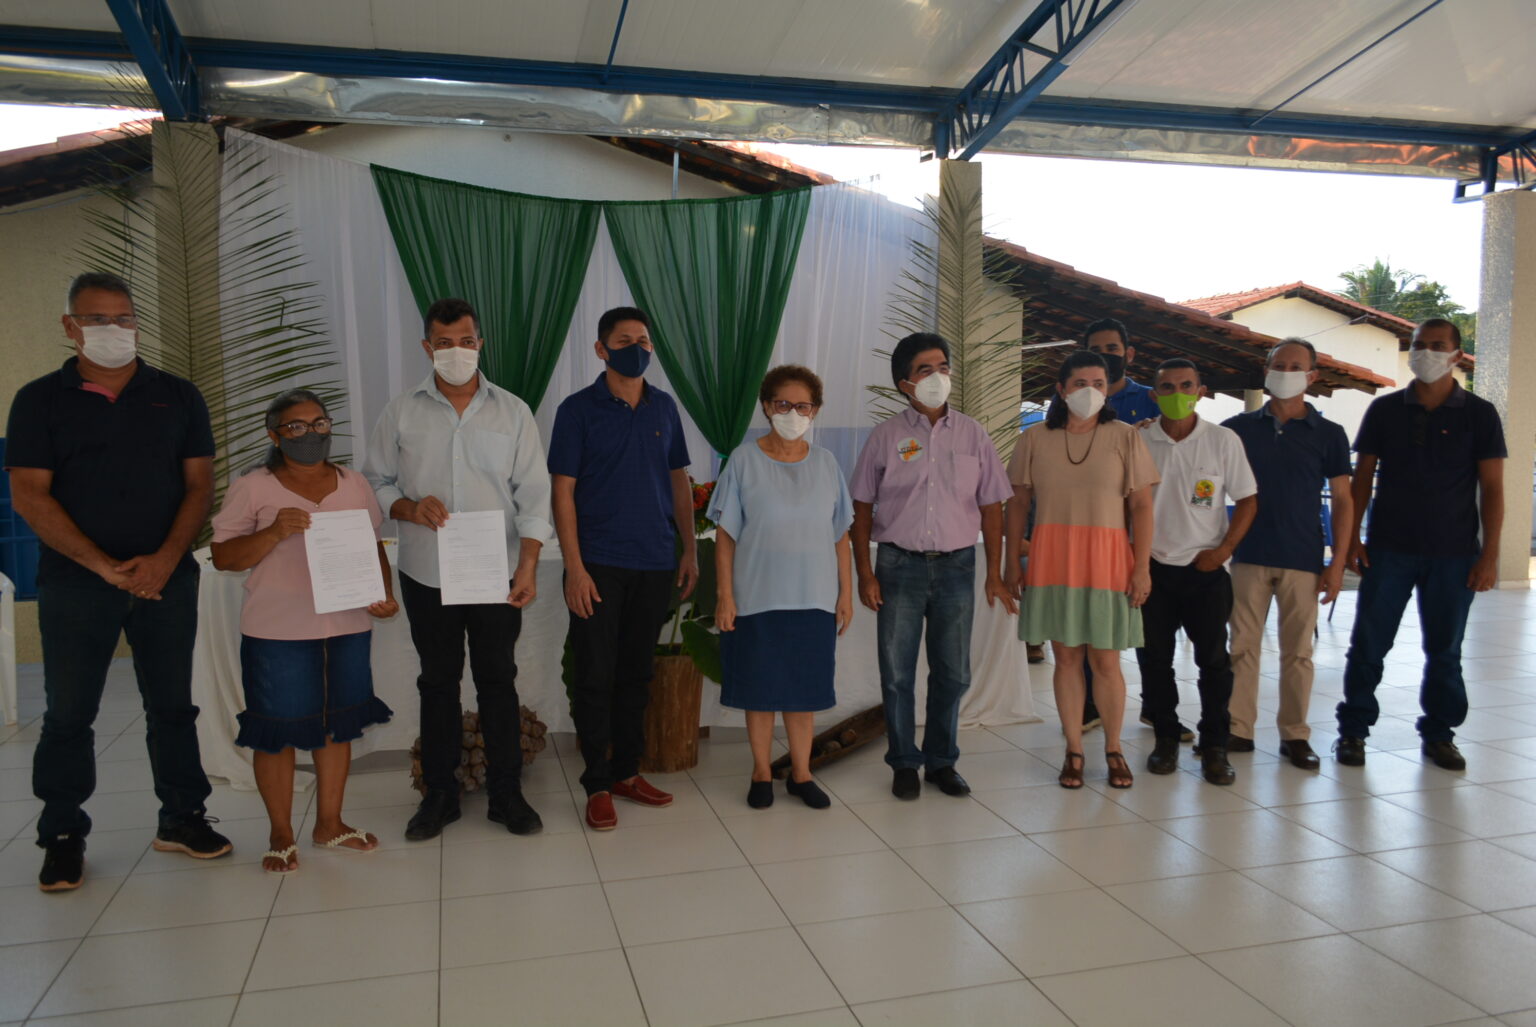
1440	453
619	466
1294	451
111	464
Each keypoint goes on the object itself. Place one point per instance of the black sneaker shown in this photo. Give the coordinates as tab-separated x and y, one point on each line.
1350	751
1445	755
513	810
904	783
194	836
63	864
437	810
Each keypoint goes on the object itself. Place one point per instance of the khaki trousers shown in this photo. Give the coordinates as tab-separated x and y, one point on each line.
1296	592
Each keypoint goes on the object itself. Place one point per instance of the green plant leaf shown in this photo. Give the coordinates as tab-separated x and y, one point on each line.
704	646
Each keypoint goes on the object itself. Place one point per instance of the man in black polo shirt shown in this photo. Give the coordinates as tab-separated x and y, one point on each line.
111	464
1439	449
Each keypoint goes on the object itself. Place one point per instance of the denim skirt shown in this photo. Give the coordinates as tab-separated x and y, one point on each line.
780	661
304	693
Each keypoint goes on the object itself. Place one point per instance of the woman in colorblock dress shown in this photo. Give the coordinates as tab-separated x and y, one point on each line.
1088	569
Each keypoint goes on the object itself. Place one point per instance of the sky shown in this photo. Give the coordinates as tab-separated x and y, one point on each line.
1185	231
28	126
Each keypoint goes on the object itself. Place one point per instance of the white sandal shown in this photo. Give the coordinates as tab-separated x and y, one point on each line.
282	855
335	843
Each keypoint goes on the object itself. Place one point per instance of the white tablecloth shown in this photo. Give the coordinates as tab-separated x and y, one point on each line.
1000	692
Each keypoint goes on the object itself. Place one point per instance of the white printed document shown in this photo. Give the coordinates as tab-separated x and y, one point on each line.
472	558
343	561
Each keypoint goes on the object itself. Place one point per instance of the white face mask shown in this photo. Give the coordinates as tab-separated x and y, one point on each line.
1286	384
109	345
456	365
791	425
933	391
1085	402
1429	365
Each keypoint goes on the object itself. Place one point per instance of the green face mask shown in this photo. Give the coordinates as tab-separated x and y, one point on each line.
1177	406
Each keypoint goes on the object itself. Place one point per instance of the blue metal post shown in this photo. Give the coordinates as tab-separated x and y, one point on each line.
157	45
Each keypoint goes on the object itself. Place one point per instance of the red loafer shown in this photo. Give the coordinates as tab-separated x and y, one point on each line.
638	789
600	814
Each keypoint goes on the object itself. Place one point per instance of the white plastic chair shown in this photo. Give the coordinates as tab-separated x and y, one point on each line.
7	651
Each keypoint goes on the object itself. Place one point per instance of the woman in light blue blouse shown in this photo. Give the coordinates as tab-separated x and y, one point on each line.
785	580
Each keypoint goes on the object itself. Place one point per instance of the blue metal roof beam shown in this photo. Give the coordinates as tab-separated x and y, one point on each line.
157	45
1519	154
1020	71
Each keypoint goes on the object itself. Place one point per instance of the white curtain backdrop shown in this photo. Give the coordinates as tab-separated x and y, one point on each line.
856	244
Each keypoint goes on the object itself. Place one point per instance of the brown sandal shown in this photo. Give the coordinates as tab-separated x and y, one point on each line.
1119	770
1072	771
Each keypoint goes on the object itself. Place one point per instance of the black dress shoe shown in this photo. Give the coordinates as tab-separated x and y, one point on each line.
1165	756
437	810
514	811
760	794
1237	743
808	792
1300	753
1445	755
949	780
905	784
1214	766
1350	751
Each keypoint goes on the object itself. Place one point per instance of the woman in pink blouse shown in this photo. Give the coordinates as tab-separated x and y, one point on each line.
308	684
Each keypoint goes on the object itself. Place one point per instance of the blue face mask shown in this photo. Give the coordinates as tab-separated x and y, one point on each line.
631	361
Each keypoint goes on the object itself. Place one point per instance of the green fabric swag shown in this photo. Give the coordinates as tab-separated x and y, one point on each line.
713	275
520	260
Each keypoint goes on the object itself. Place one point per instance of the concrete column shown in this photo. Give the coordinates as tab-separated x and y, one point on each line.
1506	361
1252	399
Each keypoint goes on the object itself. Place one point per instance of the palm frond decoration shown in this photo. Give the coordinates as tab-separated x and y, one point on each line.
207	244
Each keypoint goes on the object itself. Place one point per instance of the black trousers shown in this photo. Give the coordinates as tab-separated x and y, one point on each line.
438	632
1200	602
613	656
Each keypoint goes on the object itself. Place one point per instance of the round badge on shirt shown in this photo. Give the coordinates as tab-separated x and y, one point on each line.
909	449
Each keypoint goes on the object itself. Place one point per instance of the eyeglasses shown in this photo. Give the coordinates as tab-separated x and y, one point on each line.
102	320
784	406
298	429
460	344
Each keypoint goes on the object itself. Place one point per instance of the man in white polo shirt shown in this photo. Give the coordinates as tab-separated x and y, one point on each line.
1202	466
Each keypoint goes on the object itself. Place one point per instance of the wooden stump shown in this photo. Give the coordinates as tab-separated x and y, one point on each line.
840	739
672	718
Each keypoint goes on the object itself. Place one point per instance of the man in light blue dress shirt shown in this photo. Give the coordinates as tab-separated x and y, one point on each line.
458	443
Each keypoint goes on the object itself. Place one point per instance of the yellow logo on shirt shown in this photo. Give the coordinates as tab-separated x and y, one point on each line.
909	449
1205	493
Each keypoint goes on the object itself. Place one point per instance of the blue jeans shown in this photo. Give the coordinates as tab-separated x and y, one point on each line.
79	623
941	590
1444	601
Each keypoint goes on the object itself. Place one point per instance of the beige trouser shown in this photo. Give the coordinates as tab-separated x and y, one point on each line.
1296	592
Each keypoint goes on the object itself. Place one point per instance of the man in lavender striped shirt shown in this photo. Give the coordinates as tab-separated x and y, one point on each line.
928	481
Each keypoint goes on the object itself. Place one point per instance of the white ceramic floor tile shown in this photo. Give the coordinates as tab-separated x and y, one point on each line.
107	854
830	832
682	906
250	838
511	863
116	970
1525	919
727	797
201	1012
26	972
839	1017
1523	790
899	954
526	925
857	782
1370	825
1481	959
1004	768
1122	853
839	887
1385	773
555	809
1280	784
932	820
1252	838
1167	993
1478	873
347	880
148	902
663	849
1523	1019
32	915
717	980
1158	797
992	868
1523	844
559	991
1068	931
367	791
1478	810
376	1002
1356	893
121	811
1218	911
1016	1002
721	759
345	945
1052	808
1345	981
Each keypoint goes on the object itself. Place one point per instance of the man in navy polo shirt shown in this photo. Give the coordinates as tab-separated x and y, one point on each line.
111	464
1294	451
1440	452
622	499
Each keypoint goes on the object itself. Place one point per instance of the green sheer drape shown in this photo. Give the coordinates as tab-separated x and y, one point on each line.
519	259
713	275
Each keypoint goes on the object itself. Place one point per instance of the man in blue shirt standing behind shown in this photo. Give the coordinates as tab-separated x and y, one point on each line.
619	465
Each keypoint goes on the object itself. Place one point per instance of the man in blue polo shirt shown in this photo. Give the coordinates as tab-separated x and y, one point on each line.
111	464
1294	451
622	500
1440	451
